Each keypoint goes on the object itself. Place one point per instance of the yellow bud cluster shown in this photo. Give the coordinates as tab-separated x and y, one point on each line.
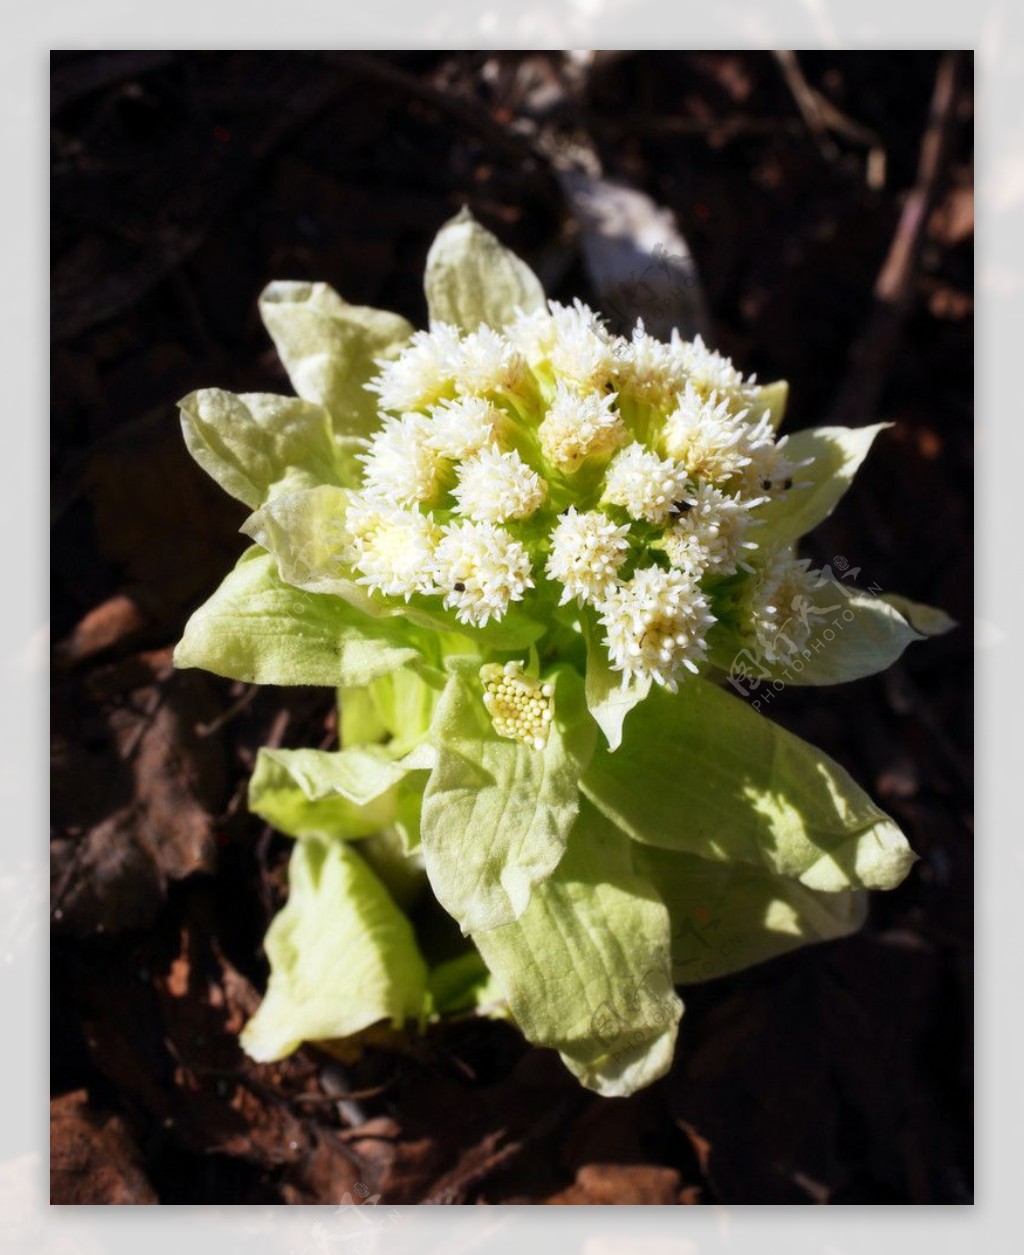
520	707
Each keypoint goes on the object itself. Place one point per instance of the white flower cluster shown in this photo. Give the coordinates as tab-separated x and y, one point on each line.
627	471
655	624
520	706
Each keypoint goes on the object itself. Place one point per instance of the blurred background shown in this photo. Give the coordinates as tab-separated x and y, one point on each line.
813	215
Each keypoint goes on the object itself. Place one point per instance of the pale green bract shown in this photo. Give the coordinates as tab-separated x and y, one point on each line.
529	555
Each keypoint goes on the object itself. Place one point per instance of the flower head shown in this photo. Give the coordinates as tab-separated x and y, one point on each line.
654	625
464	426
709	533
392	548
646	486
704	437
646	369
520	706
709	370
578	426
581	350
769	472
401	466
550	441
495	486
786	605
480	568
587	551
488	362
422	374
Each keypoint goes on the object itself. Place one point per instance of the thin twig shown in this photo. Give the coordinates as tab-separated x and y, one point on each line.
858	397
204	730
807	101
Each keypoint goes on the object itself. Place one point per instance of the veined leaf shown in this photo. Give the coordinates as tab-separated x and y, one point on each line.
837	453
702	773
471	278
928	620
346	793
330	348
587	968
255	443
496	813
864	634
342	956
399	705
728	916
258	629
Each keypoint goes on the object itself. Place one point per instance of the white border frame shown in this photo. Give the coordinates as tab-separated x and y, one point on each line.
994	30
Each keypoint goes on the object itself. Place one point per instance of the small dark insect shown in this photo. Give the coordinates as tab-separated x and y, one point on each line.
460	587
788	484
766	484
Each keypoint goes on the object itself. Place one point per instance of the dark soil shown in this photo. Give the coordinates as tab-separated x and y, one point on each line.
182	183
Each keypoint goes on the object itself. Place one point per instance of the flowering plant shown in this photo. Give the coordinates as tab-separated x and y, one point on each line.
529	554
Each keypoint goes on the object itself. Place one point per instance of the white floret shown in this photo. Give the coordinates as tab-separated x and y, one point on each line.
655	624
587	551
480	568
400	466
709	370
393	549
464	426
583	350
709	534
488	362
422	374
705	437
646	369
533	334
578	426
644	484
770	472
494	487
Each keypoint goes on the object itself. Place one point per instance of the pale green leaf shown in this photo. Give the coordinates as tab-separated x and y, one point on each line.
702	773
609	700
862	636
465	984
773	398
342	956
837	453
258	629
587	969
928	620
496	813
471	278
392	858
346	793
728	916
399	705
305	531
359	722
256	442
329	348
